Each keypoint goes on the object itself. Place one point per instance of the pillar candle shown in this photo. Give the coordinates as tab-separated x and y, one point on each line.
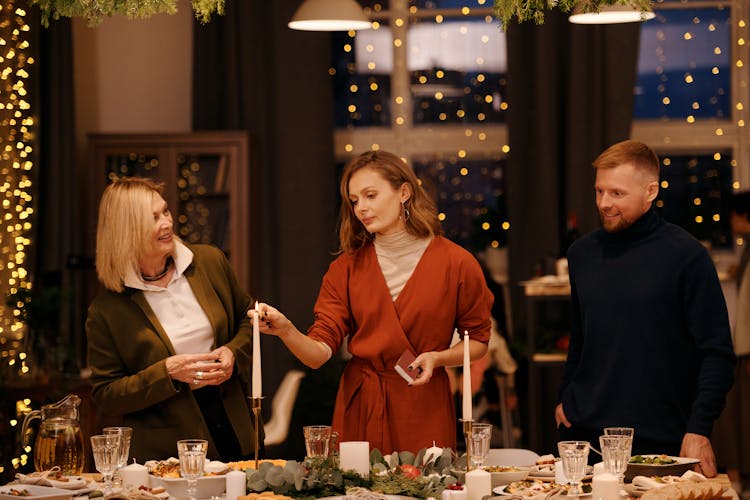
257	383
135	475
236	484
605	486
467	380
478	484
355	455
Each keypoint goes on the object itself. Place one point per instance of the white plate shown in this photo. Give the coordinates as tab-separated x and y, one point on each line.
535	491
389	497
37	492
546	475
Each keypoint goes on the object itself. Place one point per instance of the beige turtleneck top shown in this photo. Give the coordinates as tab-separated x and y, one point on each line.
398	255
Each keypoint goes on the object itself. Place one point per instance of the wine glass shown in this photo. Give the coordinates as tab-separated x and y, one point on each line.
479	443
125	434
192	453
106	451
574	456
616	453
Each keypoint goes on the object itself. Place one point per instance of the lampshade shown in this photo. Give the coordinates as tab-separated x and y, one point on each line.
610	14
329	15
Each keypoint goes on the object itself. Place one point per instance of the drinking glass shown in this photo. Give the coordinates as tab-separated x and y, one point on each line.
574	456
318	440
616	453
125	433
619	431
479	443
192	453
106	451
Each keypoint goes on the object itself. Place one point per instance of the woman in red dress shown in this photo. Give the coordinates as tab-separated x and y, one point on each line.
397	286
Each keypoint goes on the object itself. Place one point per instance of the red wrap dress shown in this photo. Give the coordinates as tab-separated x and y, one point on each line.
446	291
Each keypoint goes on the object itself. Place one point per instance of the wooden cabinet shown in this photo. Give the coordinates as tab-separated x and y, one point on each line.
207	177
547	315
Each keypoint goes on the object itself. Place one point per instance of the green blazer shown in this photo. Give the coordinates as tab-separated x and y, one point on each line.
127	349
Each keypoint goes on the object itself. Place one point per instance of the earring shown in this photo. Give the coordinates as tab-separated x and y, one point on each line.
405	211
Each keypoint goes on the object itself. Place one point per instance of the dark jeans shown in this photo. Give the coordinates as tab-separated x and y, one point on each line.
209	401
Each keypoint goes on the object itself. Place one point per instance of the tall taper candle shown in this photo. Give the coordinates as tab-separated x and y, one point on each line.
467	379
257	383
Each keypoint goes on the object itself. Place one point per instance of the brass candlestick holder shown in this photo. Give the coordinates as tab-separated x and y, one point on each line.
256	412
468	424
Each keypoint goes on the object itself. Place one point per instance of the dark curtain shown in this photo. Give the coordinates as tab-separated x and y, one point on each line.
571	94
56	186
251	72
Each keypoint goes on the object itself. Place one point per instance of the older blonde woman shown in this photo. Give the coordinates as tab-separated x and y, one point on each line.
168	339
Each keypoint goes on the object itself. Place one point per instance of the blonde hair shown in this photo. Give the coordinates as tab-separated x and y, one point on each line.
639	154
124	229
422	220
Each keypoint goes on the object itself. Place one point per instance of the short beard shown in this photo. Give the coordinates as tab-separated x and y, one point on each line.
619	226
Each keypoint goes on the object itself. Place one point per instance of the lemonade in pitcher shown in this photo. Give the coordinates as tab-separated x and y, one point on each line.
59	441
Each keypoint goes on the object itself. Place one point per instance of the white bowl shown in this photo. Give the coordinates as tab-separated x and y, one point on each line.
512	475
208	486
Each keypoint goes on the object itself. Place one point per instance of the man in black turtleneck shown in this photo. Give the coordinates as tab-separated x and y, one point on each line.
650	342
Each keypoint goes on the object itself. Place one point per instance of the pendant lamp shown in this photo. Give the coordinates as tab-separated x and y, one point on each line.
329	15
610	14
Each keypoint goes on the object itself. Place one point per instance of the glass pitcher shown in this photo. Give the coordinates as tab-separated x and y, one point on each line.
59	441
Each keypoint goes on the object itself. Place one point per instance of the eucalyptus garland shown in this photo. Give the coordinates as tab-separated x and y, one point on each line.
96	10
534	10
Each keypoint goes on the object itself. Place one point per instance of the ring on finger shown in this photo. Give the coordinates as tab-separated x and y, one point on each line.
198	375
196	381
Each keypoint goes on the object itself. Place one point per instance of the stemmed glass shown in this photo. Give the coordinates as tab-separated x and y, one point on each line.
574	456
125	433
479	443
192	453
617	444
616	454
106	451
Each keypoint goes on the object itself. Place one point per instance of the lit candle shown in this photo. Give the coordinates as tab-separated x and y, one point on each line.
257	381
467	379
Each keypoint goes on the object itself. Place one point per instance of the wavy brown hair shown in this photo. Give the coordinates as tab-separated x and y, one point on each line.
423	218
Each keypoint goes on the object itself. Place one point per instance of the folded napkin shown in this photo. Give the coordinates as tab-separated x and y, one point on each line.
129	492
52	478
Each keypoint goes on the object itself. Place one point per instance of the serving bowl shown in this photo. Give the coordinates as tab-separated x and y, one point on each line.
208	486
505	475
678	468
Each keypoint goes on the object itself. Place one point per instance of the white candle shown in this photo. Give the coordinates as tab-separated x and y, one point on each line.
135	475
355	455
433	454
257	381
467	379
478	484
236	484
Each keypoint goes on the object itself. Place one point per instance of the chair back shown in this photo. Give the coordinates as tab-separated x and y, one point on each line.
518	457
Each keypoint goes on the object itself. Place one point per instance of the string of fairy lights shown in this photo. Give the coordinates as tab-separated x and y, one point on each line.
390	103
16	139
16	148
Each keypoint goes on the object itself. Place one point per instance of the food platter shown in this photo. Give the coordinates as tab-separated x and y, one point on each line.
534	490
35	492
678	467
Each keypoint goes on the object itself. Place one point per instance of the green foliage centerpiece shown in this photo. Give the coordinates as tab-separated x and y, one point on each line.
400	473
534	10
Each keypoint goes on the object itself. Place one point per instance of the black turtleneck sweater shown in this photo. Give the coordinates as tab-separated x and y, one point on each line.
650	342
